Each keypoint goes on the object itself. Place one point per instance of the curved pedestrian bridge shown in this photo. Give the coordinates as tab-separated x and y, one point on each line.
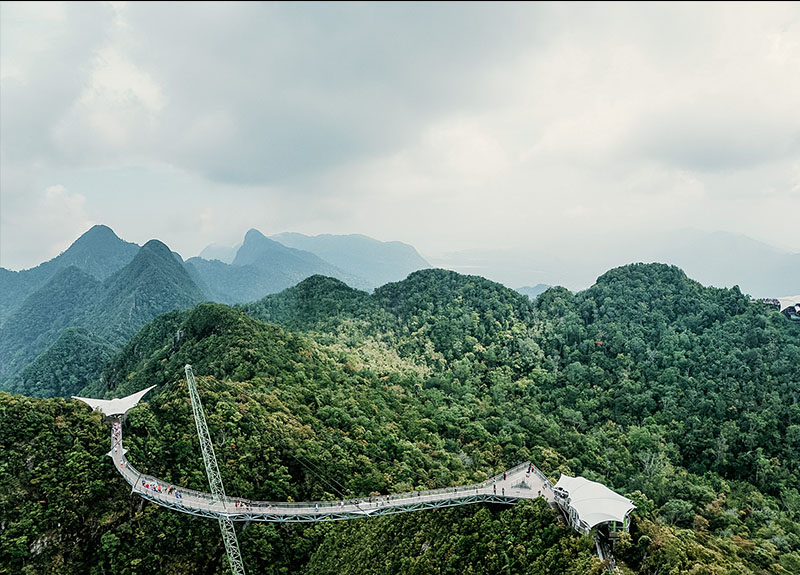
521	482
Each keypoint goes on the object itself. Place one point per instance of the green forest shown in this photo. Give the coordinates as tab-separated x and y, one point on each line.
682	397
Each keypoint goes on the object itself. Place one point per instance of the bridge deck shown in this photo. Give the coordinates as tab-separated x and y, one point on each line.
521	482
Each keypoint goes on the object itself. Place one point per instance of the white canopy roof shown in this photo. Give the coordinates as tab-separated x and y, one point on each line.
594	502
118	406
787	301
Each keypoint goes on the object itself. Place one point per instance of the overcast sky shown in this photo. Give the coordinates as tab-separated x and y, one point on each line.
448	126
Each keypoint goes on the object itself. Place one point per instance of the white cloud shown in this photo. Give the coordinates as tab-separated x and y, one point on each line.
446	126
39	224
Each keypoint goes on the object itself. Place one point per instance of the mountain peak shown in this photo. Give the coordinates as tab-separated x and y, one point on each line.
100	230
253	235
97	236
156	246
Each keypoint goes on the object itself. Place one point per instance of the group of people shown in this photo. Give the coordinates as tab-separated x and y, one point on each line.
156	488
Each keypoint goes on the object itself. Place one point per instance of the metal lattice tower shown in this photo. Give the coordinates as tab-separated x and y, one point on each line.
214	479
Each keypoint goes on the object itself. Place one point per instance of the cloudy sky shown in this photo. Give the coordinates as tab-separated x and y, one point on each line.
449	126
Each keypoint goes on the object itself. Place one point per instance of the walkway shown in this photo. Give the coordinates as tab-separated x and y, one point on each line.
524	481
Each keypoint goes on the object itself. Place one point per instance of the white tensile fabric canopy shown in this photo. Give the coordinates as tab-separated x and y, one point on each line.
788	301
594	502
112	407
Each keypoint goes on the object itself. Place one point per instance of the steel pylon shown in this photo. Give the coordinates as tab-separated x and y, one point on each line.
214	479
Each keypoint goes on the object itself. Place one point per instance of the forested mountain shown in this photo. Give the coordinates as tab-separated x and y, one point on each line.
682	397
720	259
361	256
320	303
261	266
726	259
64	301
113	287
98	252
154	282
67	366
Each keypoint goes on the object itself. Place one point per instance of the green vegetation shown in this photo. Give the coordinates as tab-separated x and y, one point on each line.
153	283
69	365
64	301
98	252
112	288
682	397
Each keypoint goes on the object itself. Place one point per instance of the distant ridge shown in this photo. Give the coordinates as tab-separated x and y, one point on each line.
376	262
262	266
533	291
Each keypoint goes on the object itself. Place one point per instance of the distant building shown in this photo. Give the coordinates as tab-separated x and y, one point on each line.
787	305
590	505
790	307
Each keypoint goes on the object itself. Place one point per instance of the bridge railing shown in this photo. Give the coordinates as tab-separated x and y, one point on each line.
538	472
138	481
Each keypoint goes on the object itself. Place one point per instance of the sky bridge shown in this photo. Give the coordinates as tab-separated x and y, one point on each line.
524	481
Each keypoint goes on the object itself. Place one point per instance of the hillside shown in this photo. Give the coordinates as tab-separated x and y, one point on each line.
63	301
136	284
680	396
317	303
154	282
720	259
67	366
98	252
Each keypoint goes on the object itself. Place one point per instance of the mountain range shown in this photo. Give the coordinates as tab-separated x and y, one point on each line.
98	252
110	288
153	282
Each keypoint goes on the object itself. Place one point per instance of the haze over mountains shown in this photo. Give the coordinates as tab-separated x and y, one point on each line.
362	256
720	259
110	288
